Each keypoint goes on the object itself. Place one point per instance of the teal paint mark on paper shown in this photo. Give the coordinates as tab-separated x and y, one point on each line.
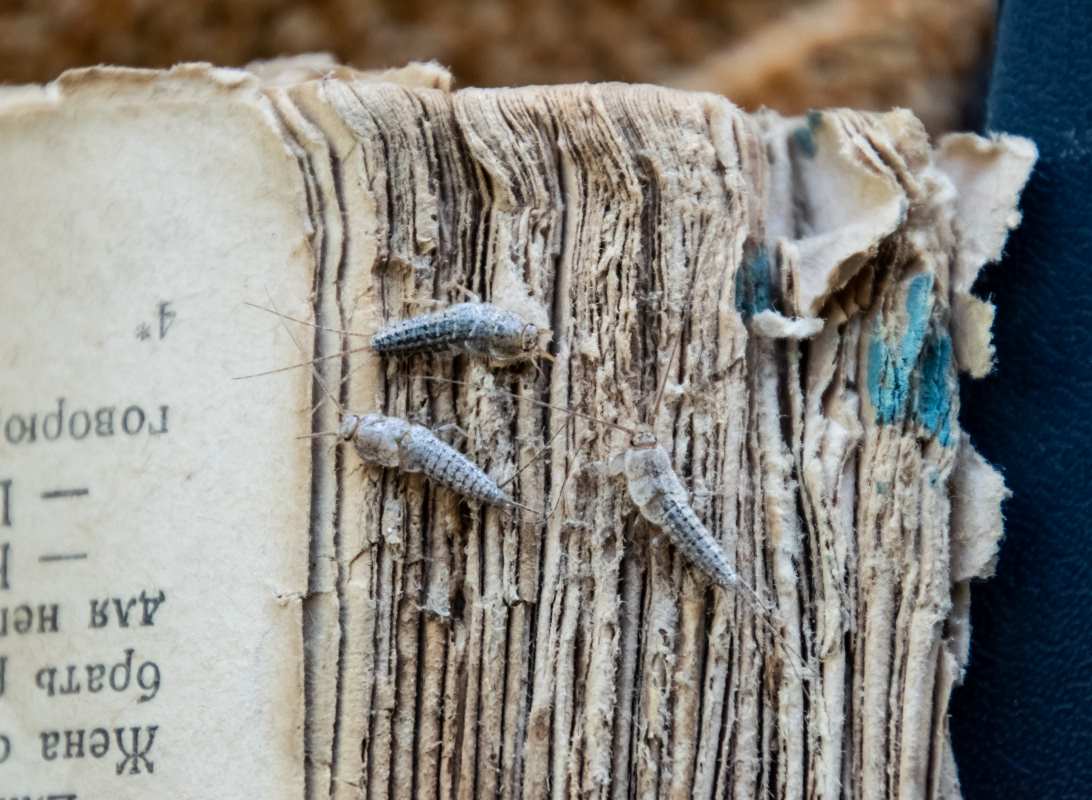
917	309
804	136
891	366
913	376
933	402
880	367
754	293
805	141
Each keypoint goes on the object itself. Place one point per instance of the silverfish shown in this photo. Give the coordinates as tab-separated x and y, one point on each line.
399	444
396	443
476	329
661	498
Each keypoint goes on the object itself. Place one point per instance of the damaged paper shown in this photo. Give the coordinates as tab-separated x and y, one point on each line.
802	291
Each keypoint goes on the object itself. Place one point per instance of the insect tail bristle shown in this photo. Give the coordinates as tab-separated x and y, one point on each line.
765	612
542	452
517	504
795	660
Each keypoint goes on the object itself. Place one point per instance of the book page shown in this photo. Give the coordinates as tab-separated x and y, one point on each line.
154	512
194	602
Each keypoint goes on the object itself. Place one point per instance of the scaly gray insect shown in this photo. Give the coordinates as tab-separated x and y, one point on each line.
662	500
399	444
476	329
396	443
479	330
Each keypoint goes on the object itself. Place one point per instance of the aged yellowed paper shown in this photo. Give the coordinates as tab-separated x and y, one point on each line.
153	539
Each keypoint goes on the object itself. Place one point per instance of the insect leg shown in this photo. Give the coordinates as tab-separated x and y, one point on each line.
452	426
468	293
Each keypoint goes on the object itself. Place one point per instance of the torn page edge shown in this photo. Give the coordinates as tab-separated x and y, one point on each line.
772	325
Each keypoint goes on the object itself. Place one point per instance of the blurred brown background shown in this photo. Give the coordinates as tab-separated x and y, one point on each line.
790	55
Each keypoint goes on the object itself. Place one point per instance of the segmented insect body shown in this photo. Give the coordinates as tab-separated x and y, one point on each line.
399	444
662	500
477	329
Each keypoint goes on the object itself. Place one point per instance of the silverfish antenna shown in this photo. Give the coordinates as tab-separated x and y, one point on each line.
533	401
314	372
544	449
299	364
670	360
667	374
277	313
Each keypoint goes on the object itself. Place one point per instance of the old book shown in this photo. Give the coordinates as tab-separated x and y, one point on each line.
195	601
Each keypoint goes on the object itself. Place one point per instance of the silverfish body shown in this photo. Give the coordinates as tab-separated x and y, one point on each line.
662	500
398	444
476	329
